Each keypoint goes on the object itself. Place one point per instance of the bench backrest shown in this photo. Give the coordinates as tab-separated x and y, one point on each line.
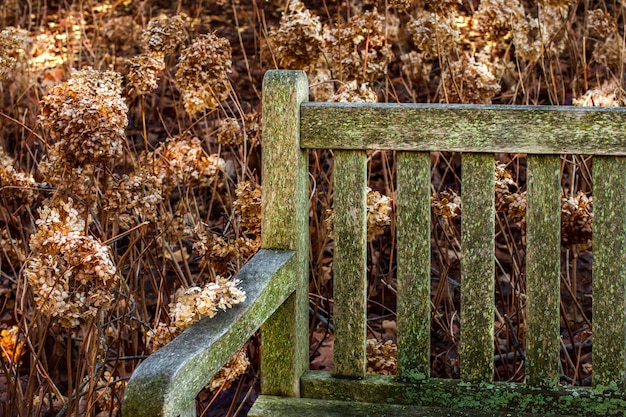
292	126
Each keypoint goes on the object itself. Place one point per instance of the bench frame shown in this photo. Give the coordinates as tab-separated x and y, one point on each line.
276	279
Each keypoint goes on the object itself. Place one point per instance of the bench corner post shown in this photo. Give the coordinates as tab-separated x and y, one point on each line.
284	337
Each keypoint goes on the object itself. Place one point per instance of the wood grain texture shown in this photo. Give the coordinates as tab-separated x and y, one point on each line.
465	128
413	251
284	225
477	266
609	271
167	382
543	268
350	263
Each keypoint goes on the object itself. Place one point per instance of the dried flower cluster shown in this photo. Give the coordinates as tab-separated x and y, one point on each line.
15	186
446	204
534	37
11	345
577	220
358	50
351	92
106	387
231	133
468	81
12	41
611	52
143	71
71	274
378	213
163	35
497	18
86	117
191	304
12	250
133	198
382	357
248	206
608	94
202	74
224	254
433	34
601	23
181	160
160	38
233	369
297	43
415	66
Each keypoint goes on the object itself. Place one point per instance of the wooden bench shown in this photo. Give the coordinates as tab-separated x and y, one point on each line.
276	279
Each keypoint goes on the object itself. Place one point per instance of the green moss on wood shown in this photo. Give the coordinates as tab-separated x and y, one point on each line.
464	128
413	237
459	395
543	269
609	271
266	406
284	338
350	262
477	267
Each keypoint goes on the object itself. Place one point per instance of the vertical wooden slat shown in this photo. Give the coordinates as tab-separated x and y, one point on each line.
477	267
609	271
413	234
543	268
349	263
284	337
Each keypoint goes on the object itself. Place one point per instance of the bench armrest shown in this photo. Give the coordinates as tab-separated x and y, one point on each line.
168	381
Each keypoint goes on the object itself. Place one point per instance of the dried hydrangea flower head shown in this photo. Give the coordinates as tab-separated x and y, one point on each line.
235	367
611	53
608	94
72	275
351	92
358	50
577	220
192	304
534	37
468	81
163	35
382	357
181	161
601	23
297	43
433	34
15	186
86	117
248	206
132	198
497	17
416	66
143	71
12	41
202	73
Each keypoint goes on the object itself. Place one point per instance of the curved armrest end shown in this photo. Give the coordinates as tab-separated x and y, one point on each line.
167	382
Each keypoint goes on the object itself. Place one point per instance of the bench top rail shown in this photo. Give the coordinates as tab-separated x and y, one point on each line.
464	128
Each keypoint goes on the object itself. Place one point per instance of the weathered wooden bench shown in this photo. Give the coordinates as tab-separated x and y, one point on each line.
276	279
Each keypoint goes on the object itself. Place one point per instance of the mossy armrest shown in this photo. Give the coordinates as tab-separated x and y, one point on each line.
167	382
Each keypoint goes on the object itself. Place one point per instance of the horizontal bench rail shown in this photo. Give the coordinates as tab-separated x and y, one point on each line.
168	381
464	128
455	394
